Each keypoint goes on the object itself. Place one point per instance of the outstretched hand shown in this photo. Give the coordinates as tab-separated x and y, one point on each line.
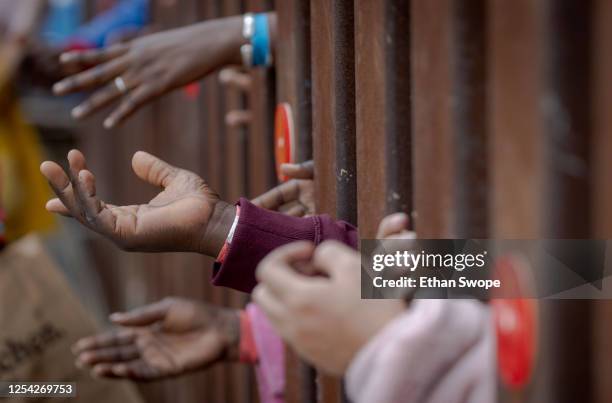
150	66
186	216
164	339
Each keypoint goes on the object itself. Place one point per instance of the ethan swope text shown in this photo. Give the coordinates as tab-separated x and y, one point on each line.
432	282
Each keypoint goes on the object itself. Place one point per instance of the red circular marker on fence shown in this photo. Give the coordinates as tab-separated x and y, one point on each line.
284	137
515	322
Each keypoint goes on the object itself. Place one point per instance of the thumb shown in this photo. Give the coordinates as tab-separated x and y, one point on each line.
393	224
142	316
302	170
153	170
332	258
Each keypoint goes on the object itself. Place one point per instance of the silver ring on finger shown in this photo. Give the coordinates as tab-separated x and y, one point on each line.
120	84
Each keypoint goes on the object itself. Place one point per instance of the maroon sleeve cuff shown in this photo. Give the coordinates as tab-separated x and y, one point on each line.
259	231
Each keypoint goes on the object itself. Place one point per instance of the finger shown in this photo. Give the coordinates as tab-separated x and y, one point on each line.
83	185
56	206
142	316
392	224
237	118
303	170
293	209
93	207
274	309
233	78
117	337
282	194
77	161
331	257
81	59
93	77
93	212
136	370
104	370
108	370
152	169
276	271
60	183
131	103
111	354
96	101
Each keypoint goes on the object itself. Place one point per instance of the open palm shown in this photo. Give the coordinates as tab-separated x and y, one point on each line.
160	340
177	219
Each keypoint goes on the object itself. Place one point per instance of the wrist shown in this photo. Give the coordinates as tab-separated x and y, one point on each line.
217	229
228	32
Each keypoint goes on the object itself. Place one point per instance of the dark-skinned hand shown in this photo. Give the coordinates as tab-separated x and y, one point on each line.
150	66
186	216
294	197
164	339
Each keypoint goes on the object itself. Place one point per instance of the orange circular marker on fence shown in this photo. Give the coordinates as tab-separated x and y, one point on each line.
515	316
284	138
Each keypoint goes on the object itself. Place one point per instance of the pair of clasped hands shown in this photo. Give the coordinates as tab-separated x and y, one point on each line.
175	336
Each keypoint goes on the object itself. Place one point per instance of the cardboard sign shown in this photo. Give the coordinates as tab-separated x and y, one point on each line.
40	319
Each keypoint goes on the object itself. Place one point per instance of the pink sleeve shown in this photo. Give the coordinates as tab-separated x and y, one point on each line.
270	368
438	351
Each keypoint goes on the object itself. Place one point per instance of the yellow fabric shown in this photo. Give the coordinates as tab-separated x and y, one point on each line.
23	190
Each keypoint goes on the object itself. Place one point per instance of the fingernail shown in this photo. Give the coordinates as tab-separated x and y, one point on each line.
58	87
77	112
224	76
116	316
64	57
109	123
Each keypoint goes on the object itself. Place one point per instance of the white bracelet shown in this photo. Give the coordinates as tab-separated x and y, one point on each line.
248	26
230	235
248	29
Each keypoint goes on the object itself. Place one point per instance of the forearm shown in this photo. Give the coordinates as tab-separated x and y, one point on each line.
434	349
229	31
